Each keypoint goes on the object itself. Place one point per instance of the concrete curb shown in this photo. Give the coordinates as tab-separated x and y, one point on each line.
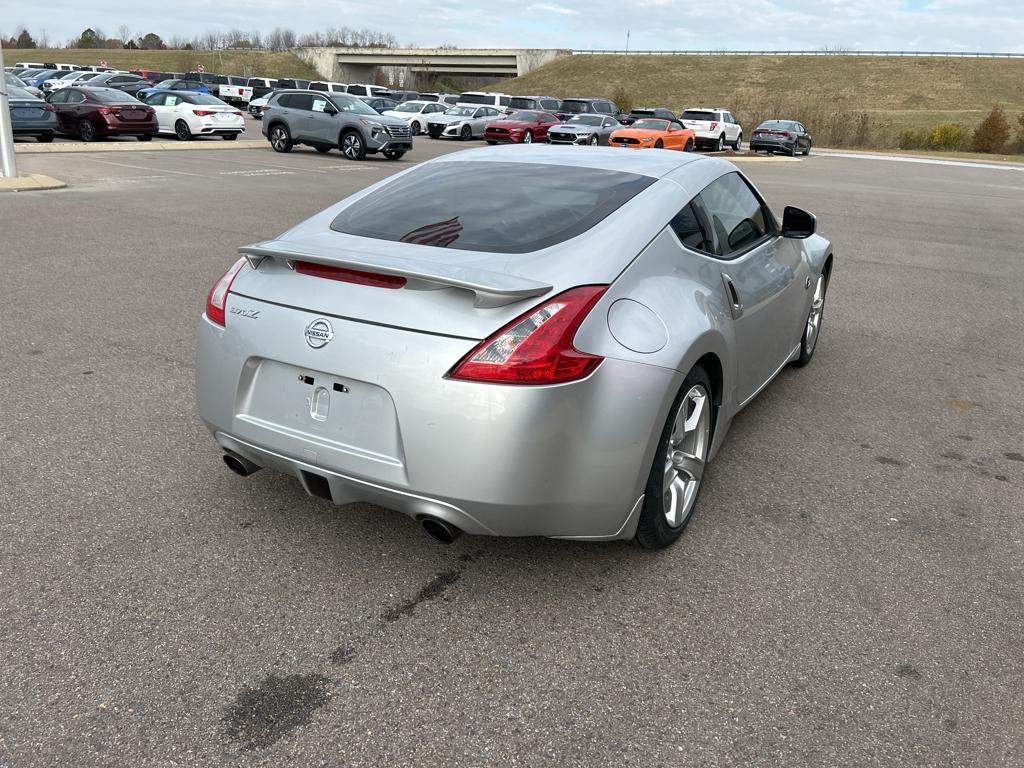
138	146
26	182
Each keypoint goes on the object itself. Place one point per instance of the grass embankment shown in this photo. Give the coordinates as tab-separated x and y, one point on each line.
847	101
233	62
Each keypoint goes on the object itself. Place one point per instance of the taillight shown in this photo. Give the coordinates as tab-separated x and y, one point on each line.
49	108
536	347
714	125
202	112
105	111
349	275
150	111
218	295
237	113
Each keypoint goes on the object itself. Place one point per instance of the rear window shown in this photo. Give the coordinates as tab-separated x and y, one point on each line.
111	96
205	98
571	105
518	102
476	98
533	207
696	114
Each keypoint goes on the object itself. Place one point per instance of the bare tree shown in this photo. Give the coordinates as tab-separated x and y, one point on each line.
124	34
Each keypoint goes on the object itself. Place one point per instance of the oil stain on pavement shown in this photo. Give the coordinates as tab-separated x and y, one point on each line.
262	715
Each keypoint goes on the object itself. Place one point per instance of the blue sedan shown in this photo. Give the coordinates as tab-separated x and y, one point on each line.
31	116
174	85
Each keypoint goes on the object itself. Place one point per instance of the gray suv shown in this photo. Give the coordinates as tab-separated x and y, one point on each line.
327	121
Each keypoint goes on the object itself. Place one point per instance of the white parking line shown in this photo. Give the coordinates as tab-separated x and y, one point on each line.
142	167
925	160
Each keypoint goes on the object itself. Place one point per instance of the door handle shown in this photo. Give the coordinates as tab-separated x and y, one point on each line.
734	299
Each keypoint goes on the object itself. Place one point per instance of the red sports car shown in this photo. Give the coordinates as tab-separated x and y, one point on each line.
522	127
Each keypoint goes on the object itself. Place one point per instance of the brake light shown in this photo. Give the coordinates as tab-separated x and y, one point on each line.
150	111
536	347
714	124
105	111
237	113
349	275
202	112
49	108
218	295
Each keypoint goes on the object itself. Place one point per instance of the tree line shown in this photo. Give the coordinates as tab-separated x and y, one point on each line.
278	39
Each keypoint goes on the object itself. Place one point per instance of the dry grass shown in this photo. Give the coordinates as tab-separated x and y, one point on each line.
845	100
235	62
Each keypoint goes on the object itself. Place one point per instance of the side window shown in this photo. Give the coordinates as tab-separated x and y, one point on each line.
303	101
318	105
357	90
318	86
690	230
284	100
60	97
172	100
736	214
551	105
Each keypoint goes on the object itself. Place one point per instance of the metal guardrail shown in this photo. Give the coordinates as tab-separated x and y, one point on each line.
934	54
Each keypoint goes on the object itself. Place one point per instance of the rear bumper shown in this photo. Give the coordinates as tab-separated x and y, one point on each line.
125	128
763	144
563	461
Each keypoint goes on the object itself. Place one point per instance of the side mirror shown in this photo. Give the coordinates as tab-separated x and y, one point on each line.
329	110
798	223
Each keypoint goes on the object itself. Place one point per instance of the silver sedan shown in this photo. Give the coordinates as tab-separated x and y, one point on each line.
592	130
465	121
560	356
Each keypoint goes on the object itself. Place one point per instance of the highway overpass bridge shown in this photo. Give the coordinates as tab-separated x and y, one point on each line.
360	65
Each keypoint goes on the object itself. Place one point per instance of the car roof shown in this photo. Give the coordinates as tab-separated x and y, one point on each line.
654	164
584	98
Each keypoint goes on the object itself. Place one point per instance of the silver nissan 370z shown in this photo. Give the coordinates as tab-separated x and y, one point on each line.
514	341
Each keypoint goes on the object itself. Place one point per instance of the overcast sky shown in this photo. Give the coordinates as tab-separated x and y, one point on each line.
954	25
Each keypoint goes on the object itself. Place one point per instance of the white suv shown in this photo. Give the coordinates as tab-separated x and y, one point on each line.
714	126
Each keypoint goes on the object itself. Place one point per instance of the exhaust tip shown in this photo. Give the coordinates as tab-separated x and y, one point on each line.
240	466
439	530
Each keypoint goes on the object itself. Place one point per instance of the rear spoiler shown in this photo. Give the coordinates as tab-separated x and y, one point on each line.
491	289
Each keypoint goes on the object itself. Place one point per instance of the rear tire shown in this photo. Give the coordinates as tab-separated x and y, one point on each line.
280	139
492	142
86	131
44	138
181	131
322	149
352	145
145	137
230	137
677	474
394	154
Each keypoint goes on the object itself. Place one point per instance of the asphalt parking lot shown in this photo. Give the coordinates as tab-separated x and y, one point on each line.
848	593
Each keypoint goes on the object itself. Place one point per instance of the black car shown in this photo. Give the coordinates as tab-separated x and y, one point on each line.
379	103
211	81
128	83
786	136
291	82
645	112
534	104
588	105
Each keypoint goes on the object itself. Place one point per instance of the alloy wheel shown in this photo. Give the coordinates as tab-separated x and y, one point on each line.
527	138
686	455
279	139
351	146
814	316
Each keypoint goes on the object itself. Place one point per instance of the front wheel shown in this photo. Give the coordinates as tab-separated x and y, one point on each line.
659	144
280	139
145	137
689	146
812	328
528	137
394	154
594	140
353	146
466	133
322	149
738	143
678	471
44	138
414	128
230	137
807	149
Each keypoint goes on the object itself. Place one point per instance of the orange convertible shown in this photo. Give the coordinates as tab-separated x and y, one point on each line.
654	133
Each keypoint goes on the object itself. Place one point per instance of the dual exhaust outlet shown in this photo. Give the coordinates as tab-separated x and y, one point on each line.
436	528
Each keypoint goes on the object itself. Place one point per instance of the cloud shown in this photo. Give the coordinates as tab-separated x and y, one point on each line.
559	9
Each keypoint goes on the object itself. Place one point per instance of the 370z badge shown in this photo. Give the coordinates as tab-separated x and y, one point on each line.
318	333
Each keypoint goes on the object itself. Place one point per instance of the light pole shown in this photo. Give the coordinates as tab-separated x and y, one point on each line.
7	167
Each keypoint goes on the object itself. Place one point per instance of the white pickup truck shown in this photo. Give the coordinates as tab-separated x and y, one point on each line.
240	95
714	127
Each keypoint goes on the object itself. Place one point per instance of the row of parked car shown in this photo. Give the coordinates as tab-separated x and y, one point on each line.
191	104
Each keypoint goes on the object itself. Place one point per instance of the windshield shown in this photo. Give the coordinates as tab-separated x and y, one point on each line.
649	124
350	104
476	98
524	117
111	96
14	92
585	120
87	76
696	114
777	125
409	106
570	105
536	205
164	84
461	111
